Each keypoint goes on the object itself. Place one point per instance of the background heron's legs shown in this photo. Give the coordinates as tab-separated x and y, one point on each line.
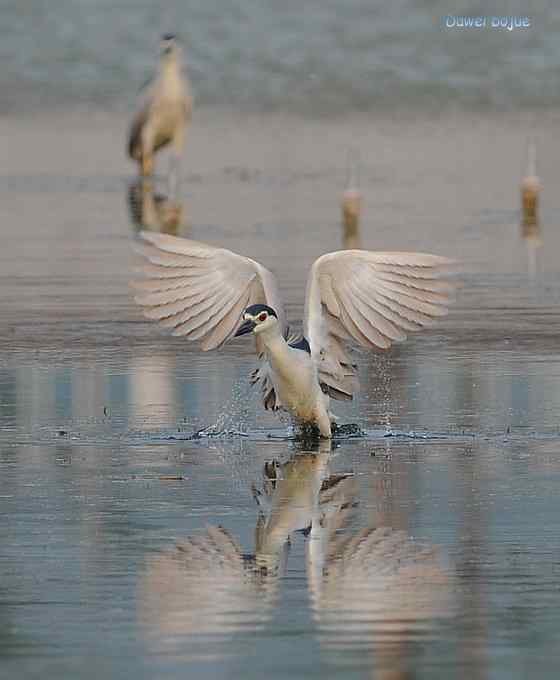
173	175
175	165
147	165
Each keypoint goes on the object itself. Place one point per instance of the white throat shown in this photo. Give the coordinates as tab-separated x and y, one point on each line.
270	336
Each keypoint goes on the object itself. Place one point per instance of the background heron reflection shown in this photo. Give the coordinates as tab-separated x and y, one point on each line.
154	211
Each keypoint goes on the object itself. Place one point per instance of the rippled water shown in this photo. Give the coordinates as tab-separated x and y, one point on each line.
131	546
319	58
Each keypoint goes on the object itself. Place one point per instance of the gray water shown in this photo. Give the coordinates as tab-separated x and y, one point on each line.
319	58
131	546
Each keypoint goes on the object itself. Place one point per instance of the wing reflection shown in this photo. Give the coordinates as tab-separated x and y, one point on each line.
153	211
373	588
375	583
202	586
532	235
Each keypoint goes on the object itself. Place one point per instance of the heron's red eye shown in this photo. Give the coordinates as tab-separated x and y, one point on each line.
262	316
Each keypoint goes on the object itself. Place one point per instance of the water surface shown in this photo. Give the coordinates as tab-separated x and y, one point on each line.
130	548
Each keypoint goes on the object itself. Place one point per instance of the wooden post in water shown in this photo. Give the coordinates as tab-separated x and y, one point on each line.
352	205
530	188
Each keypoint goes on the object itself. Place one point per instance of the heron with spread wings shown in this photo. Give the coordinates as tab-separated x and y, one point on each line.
370	299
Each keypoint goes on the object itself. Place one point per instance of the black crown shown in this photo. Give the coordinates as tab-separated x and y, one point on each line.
255	310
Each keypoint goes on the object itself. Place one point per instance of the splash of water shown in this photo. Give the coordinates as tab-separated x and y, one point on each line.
234	416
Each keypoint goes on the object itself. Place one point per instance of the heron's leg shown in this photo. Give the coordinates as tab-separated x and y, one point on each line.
147	159
324	424
327	403
147	165
174	176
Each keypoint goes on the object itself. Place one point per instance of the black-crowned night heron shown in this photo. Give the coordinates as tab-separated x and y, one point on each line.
165	111
371	299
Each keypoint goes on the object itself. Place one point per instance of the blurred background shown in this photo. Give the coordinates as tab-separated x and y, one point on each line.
103	491
324	58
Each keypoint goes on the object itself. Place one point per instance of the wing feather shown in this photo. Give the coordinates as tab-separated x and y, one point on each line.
157	272
166	313
200	291
190	285
360	328
372	300
385	323
186	322
227	326
414	298
204	322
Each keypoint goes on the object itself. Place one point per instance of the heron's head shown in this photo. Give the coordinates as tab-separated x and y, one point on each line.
256	319
168	44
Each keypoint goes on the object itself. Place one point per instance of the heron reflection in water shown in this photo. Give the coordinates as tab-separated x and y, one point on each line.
366	585
153	211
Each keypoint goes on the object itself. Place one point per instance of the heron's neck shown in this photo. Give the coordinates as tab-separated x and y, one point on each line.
273	340
171	71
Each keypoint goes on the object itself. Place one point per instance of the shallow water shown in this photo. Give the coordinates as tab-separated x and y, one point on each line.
131	548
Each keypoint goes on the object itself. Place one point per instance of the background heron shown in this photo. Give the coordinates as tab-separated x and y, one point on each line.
165	112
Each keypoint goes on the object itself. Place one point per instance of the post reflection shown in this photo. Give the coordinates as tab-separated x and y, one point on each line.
370	587
530	222
531	234
153	211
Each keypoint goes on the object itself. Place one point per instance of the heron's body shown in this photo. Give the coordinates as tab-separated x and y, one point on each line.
353	296
165	114
296	382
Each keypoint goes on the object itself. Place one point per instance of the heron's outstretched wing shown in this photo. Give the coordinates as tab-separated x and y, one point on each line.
371	299
201	291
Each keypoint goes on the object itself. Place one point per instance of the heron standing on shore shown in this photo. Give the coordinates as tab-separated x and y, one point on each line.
165	112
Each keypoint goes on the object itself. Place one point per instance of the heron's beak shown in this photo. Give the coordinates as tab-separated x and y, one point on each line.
246	327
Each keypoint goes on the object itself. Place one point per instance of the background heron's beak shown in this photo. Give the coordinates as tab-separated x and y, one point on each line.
246	327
